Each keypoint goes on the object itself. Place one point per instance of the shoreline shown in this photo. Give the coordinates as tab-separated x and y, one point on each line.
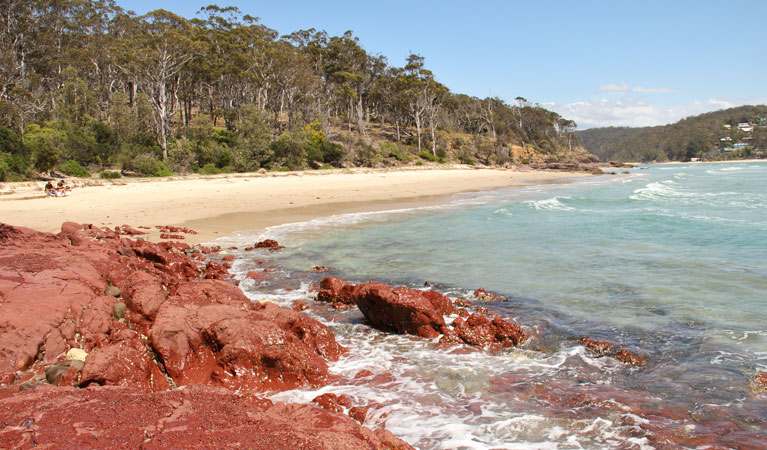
219	206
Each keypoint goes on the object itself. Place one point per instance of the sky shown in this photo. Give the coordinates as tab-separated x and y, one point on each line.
599	63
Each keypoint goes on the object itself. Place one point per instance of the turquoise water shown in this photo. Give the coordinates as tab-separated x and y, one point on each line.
669	261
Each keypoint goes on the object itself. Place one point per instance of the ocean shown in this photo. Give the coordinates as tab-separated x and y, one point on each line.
668	261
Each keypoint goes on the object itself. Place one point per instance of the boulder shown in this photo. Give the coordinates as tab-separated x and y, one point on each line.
629	358
597	348
335	290
401	310
125	363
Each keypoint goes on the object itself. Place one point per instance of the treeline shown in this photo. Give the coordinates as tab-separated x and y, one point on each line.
693	137
86	83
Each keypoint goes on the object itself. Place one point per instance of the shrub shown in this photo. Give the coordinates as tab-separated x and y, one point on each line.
148	165
211	169
279	169
109	174
441	153
424	154
392	150
74	169
13	167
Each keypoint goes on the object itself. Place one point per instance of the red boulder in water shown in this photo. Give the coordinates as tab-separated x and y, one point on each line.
335	290
402	310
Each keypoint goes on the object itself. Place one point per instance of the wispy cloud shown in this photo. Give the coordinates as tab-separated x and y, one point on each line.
625	88
631	111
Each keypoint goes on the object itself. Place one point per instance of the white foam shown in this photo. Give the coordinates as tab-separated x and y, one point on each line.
550	204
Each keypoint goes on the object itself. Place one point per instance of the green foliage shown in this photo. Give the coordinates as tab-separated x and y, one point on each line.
289	152
148	165
44	143
13	167
366	155
74	169
10	142
279	169
441	153
392	150
211	169
424	154
109	174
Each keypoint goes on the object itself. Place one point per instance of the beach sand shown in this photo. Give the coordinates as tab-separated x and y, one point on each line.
217	206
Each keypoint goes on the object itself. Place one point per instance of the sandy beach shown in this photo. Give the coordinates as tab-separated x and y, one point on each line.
217	206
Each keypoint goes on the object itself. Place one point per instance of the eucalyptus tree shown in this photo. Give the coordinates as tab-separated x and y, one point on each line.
156	48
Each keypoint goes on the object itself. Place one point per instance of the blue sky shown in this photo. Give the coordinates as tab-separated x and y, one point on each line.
600	63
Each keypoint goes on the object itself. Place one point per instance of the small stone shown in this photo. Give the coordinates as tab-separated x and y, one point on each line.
112	291
53	373
118	310
76	354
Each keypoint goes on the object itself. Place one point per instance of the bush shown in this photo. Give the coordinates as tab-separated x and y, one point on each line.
148	165
279	169
109	174
211	169
441	153
13	167
428	156
74	169
391	150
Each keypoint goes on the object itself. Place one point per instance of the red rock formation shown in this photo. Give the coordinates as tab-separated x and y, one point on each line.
166	320
269	244
195	417
401	310
487	296
629	358
598	348
335	290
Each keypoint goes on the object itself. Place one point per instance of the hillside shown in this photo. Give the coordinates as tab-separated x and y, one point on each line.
89	85
712	136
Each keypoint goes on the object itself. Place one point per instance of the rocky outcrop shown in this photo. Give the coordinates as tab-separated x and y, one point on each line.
195	417
603	348
422	313
95	328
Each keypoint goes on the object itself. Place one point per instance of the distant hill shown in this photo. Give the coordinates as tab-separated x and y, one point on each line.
705	136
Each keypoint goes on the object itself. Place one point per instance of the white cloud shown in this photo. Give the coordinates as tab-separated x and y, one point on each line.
625	88
631	111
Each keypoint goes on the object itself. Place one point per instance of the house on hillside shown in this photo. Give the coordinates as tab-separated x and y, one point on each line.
745	126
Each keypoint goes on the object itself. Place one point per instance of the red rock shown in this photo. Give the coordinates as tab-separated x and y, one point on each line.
228	258
598	348
759	383
262	348
363	374
196	417
335	290
333	402
259	276
402	310
359	413
125	364
487	296
171	236
440	302
269	244
629	358
143	294
298	305
508	333
319	269
462	302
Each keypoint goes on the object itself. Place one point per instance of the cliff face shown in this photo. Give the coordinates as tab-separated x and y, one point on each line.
99	332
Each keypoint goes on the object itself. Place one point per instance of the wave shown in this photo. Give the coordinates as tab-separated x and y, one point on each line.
551	204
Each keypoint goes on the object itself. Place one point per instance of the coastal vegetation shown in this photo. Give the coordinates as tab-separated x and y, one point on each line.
734	133
89	83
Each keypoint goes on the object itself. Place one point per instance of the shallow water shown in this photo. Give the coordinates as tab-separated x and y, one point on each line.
668	261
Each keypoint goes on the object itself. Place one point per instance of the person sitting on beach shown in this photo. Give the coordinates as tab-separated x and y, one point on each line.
49	190
68	191
60	189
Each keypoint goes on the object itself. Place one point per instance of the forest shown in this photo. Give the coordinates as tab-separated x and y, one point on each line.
708	136
88	87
